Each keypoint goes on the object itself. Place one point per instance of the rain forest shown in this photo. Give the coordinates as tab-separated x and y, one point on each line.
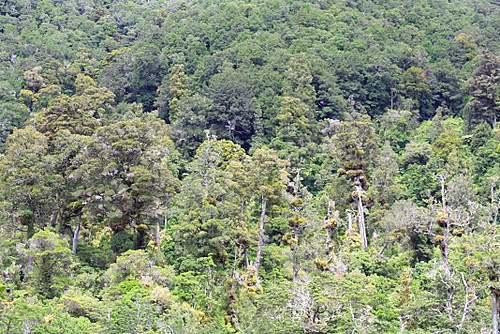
249	166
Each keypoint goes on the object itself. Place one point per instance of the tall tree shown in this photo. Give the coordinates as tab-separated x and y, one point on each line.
27	179
233	113
270	182
128	173
354	143
483	87
81	113
211	209
49	263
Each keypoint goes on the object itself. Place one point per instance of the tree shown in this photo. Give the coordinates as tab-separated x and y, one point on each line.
13	114
298	83
456	280
300	221
270	182
384	176
190	128
212	207
174	87
128	173
134	73
414	84
49	260
68	122
81	113
27	180
295	121
483	87
233	115
35	315
354	145
296	135
397	127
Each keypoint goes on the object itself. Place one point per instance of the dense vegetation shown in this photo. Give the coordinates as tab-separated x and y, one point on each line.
249	166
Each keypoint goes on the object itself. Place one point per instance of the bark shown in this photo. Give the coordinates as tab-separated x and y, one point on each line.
494	298
165	221
443	192
467	304
450	291
157	234
53	217
328	217
393	97
349	228
495	207
445	252
75	238
295	262
261	236
447	229
361	220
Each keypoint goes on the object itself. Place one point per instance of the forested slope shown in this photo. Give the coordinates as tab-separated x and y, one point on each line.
249	166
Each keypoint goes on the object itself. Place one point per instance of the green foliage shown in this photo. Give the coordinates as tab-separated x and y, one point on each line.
27	179
339	166
234	113
50	264
29	313
482	86
414	84
134	186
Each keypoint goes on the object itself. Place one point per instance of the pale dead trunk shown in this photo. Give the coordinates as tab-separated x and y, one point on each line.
393	97
261	235
467	303
165	221
494	298
450	291
444	249
446	232
349	227
361	220
328	217
75	238
443	192
495	208
295	262
157	234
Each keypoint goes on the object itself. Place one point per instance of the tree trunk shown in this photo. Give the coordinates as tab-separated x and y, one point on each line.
157	234
349	227
53	218
295	260
247	262
261	236
468	302
165	221
495	208
75	238
450	291
494	298
361	221
393	97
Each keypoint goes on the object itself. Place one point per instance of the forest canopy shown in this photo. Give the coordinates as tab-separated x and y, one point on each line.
249	166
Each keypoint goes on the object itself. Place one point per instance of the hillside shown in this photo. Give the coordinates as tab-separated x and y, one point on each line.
258	166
